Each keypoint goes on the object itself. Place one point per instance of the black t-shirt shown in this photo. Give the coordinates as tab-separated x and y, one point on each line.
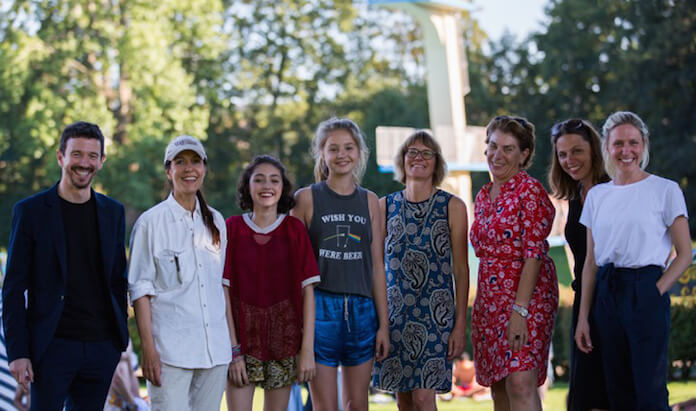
87	314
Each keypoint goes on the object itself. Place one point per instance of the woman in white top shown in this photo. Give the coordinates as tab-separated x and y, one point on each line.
632	222
175	284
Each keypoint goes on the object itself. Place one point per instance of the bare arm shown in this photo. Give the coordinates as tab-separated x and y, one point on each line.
236	372
379	276
306	368
152	367
679	230
458	223
304	207
589	274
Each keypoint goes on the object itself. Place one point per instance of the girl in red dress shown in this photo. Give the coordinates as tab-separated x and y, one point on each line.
517	295
269	274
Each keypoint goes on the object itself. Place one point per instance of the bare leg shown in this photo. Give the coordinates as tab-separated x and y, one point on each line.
324	390
424	400
404	401
500	397
356	381
240	398
521	388
276	399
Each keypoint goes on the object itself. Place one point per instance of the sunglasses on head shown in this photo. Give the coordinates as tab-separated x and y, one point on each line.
567	127
519	120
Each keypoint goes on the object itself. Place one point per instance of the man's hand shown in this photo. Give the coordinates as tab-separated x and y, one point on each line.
22	372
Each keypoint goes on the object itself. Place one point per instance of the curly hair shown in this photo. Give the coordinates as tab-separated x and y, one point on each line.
518	127
286	202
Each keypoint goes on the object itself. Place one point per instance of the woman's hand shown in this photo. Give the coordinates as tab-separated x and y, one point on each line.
152	367
306	369
517	333
236	373
382	343
582	335
455	343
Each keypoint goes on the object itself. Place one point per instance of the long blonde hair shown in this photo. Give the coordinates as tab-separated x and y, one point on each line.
321	170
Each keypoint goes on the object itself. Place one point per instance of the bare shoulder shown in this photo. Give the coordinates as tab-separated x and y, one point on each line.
456	204
303	194
303	205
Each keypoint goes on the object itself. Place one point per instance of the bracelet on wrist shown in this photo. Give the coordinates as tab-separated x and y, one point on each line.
237	353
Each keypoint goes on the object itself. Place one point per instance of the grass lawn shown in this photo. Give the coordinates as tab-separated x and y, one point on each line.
555	399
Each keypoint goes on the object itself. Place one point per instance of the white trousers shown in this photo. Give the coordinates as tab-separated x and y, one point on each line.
187	389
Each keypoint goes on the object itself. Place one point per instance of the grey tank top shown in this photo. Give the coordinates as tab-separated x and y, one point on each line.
341	235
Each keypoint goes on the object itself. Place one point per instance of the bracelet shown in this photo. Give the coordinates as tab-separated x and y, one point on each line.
237	353
522	311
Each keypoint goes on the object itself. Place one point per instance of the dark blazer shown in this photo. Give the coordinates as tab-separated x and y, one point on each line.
36	264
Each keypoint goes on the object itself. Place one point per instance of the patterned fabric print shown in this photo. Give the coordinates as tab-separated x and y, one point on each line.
504	233
420	295
271	374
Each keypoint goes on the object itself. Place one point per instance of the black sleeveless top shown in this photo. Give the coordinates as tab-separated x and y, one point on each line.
576	236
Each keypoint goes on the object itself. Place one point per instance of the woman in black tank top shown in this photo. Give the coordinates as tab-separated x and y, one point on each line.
346	229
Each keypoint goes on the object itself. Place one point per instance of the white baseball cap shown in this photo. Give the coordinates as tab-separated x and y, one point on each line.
183	143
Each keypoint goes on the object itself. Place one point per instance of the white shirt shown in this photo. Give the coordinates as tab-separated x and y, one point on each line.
173	259
630	223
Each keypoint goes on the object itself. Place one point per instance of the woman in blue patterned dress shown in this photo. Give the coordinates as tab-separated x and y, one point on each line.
425	250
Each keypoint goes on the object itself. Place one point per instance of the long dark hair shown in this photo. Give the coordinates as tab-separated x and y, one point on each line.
562	185
286	202
208	218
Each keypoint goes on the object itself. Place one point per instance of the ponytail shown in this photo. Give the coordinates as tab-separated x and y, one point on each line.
208	219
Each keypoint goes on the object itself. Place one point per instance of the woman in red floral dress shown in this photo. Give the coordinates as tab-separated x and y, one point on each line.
517	295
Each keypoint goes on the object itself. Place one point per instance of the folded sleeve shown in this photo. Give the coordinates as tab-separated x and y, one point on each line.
141	270
674	206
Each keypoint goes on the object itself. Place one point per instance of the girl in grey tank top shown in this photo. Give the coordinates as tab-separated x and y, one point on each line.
351	327
341	235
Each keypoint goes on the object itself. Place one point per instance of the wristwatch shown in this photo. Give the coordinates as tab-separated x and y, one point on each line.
523	312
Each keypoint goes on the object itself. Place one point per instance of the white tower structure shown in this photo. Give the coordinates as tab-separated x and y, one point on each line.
447	83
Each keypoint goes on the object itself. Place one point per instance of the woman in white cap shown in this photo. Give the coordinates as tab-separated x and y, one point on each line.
175	284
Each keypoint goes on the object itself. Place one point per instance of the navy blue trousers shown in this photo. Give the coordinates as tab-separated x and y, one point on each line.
633	323
75	373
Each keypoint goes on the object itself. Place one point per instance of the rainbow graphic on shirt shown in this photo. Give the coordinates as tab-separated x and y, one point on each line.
343	235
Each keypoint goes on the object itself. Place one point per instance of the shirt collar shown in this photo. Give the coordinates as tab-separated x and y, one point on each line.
179	211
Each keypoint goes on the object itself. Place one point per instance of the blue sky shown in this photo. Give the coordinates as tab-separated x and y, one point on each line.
517	16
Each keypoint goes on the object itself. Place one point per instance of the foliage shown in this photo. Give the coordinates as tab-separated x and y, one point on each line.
594	58
125	65
682	337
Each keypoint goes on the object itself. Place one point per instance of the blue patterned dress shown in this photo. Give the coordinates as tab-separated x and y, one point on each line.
420	295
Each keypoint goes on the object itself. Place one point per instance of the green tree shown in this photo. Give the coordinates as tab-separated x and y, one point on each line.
595	58
125	65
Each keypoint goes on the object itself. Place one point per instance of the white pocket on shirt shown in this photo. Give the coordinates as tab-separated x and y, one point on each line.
174	268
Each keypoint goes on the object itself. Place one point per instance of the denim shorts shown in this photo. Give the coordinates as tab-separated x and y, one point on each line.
345	329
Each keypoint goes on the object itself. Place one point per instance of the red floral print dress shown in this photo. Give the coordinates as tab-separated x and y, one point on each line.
505	232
